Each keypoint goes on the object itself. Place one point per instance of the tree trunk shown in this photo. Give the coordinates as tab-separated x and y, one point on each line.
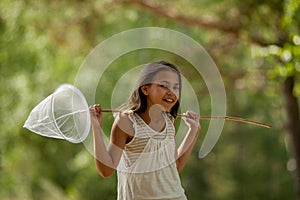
293	126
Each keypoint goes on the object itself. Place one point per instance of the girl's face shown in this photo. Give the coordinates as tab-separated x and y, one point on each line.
164	90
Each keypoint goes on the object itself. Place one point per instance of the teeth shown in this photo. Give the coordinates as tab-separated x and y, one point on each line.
169	100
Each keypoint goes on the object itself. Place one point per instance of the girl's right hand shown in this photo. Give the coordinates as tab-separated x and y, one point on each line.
96	115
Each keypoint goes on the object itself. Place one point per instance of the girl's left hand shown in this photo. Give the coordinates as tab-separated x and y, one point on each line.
192	120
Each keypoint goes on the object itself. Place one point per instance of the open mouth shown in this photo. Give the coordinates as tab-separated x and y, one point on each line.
169	100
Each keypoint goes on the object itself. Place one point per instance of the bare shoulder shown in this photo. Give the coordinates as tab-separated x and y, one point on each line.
123	125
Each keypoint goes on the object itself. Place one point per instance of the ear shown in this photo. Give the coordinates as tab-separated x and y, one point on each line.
144	89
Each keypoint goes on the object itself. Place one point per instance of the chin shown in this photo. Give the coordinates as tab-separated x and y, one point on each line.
167	109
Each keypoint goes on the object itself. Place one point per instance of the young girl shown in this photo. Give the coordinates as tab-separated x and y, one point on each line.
142	143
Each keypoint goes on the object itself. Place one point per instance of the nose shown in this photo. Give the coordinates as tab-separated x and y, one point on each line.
173	91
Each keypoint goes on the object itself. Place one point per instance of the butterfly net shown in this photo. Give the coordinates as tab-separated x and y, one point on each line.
63	115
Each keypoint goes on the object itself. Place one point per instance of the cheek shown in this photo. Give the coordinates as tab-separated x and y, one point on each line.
177	94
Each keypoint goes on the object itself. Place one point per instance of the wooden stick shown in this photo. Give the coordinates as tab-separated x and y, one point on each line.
108	110
237	119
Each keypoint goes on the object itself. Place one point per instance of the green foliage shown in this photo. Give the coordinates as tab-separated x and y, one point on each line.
43	44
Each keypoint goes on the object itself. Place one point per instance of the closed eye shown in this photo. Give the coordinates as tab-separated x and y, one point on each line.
176	88
163	86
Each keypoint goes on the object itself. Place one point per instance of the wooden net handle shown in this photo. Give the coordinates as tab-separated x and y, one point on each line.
237	119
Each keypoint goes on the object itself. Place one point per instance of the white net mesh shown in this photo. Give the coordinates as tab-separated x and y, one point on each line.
64	115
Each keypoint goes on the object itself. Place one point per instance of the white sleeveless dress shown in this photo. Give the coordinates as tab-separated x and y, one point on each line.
147	168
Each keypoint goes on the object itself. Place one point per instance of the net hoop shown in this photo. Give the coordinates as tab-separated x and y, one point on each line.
81	137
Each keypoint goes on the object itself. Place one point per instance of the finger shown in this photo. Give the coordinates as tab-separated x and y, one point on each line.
91	108
189	115
192	115
99	110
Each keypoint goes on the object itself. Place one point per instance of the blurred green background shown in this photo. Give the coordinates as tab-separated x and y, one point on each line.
255	44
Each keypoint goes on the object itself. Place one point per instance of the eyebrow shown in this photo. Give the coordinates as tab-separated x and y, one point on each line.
169	82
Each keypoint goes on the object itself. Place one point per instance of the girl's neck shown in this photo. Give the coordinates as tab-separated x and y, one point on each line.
153	116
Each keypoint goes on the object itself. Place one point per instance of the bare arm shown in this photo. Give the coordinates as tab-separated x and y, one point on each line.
187	145
107	159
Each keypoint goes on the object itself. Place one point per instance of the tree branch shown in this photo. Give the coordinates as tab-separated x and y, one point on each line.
232	30
200	22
